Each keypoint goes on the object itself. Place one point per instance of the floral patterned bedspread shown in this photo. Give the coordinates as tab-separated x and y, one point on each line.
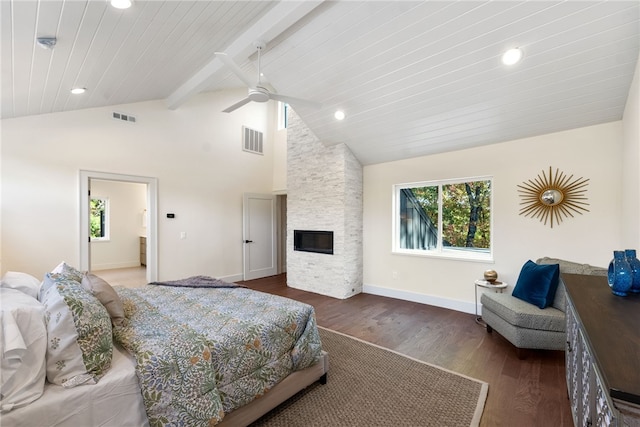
201	352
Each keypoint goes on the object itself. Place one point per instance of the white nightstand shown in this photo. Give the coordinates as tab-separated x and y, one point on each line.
495	286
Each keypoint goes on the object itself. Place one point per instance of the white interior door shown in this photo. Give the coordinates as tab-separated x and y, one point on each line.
259	236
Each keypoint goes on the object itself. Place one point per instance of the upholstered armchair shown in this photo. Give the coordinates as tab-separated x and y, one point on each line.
526	325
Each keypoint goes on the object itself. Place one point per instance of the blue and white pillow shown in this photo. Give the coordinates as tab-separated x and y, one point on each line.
79	335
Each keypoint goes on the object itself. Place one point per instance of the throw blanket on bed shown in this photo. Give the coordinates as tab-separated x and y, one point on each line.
199	282
203	352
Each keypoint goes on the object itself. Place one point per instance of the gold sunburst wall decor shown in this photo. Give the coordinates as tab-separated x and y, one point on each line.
554	197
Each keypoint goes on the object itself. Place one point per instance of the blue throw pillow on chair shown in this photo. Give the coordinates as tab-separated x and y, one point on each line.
537	284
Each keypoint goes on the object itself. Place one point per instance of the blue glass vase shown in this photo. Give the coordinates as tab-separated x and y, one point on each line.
619	274
634	263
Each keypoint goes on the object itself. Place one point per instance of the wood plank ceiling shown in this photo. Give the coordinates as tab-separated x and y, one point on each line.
414	78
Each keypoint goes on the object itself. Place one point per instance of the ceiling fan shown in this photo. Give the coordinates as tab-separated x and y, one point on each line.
257	92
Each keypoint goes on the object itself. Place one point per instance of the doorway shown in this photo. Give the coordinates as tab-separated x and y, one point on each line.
264	218
149	217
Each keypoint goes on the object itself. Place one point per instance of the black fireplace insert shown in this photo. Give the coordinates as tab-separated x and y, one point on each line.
313	241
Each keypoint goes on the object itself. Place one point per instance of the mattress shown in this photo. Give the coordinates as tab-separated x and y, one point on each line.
115	401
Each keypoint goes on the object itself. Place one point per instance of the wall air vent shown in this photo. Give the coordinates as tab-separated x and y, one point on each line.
124	117
252	140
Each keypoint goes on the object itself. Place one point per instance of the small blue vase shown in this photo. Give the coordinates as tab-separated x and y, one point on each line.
634	263
619	274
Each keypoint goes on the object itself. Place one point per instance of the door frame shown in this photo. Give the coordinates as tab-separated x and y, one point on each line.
281	206
152	210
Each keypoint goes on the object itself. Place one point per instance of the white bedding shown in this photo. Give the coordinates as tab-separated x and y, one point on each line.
23	342
115	401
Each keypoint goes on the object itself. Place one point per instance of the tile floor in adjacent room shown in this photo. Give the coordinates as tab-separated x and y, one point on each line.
133	277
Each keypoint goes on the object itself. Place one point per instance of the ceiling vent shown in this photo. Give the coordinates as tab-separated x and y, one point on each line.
252	140
46	42
124	117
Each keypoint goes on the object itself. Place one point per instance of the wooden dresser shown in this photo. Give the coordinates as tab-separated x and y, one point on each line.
603	353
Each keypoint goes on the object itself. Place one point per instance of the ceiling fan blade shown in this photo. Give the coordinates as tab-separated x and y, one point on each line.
226	59
295	101
237	105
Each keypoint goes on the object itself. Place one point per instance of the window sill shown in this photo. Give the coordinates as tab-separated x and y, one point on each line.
447	254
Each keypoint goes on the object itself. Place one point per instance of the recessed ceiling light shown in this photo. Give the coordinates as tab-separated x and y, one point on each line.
78	90
512	56
121	4
339	115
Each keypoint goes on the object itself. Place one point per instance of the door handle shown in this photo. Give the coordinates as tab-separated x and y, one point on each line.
248	241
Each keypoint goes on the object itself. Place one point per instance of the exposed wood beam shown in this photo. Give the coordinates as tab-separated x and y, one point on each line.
276	21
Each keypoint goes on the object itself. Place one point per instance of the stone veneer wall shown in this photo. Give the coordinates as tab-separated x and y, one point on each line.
324	192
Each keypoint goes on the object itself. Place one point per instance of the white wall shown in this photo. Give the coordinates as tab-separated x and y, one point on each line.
195	153
127	203
631	165
594	153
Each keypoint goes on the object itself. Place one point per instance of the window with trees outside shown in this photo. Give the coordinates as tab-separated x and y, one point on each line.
444	218
99	219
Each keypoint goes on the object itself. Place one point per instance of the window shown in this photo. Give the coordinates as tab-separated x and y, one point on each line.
99	219
444	218
283	111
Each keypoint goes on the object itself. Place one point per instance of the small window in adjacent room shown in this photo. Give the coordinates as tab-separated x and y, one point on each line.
99	219
449	218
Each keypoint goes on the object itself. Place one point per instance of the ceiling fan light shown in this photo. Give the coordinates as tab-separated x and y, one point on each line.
339	115
121	4
512	56
78	90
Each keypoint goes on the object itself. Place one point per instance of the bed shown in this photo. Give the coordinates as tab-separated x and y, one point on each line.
192	352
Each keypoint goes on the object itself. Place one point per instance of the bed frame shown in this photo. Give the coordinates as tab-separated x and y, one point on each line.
285	389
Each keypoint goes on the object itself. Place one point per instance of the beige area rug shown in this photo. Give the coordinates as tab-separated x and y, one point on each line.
372	386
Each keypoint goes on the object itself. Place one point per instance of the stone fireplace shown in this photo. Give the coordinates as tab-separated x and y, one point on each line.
324	192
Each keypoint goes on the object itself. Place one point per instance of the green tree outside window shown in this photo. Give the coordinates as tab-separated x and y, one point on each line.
448	217
99	224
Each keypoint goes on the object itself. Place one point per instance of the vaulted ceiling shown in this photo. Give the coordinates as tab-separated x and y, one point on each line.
413	78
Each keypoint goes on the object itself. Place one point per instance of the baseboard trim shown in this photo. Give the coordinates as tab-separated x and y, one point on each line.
115	265
451	304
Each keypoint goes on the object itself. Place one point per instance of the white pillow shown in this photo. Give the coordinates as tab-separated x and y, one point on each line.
80	343
23	347
21	281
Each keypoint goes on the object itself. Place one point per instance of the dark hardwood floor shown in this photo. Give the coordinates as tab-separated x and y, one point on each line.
529	392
